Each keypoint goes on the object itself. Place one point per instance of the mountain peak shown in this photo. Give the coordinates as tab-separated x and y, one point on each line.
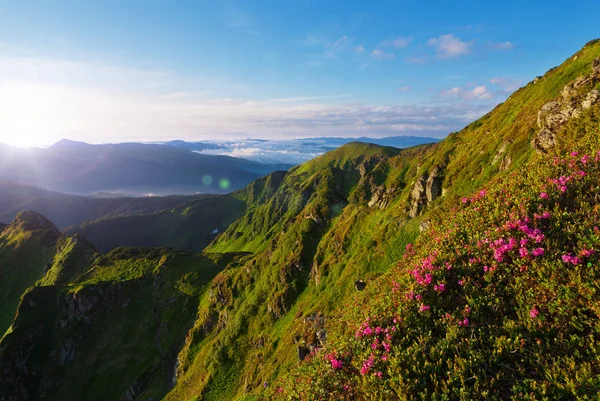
32	221
69	144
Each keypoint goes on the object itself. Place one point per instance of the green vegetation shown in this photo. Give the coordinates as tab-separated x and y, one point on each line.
496	299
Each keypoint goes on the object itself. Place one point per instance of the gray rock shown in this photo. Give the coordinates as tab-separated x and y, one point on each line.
592	98
505	164
544	141
433	186
418	196
568	93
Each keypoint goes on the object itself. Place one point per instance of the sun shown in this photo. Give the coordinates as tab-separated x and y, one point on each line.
23	134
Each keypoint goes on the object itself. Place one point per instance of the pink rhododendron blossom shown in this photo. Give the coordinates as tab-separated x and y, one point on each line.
537	252
533	313
568	258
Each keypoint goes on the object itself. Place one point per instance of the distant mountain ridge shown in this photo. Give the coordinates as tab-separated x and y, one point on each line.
70	210
81	168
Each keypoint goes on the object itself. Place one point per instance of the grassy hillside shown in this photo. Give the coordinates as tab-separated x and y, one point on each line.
112	333
27	247
317	235
487	292
499	300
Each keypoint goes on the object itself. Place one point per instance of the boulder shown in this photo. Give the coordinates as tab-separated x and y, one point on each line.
592	98
568	93
544	141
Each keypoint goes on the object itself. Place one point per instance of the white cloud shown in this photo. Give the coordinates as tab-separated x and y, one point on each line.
477	93
501	45
381	55
359	49
40	105
448	46
415	60
399	42
404	89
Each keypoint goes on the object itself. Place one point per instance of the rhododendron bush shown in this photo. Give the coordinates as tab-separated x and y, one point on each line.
500	299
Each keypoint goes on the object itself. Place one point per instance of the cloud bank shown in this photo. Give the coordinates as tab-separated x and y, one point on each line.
42	101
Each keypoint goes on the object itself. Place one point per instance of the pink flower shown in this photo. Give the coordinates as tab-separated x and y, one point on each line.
439	287
384	358
537	252
424	308
378	374
533	313
336	363
523	252
464	200
544	195
461	282
568	258
366	366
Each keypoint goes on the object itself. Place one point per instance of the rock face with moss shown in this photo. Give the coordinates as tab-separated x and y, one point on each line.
575	97
316	264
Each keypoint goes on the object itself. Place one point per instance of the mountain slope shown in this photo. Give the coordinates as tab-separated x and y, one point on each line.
309	264
499	300
112	334
27	247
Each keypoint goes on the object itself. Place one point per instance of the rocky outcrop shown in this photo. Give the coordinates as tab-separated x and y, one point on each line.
381	196
433	186
427	189
572	101
314	335
418	197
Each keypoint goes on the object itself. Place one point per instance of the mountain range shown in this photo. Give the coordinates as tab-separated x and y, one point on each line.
127	169
464	269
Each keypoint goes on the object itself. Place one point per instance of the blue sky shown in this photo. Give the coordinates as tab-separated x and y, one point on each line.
123	70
